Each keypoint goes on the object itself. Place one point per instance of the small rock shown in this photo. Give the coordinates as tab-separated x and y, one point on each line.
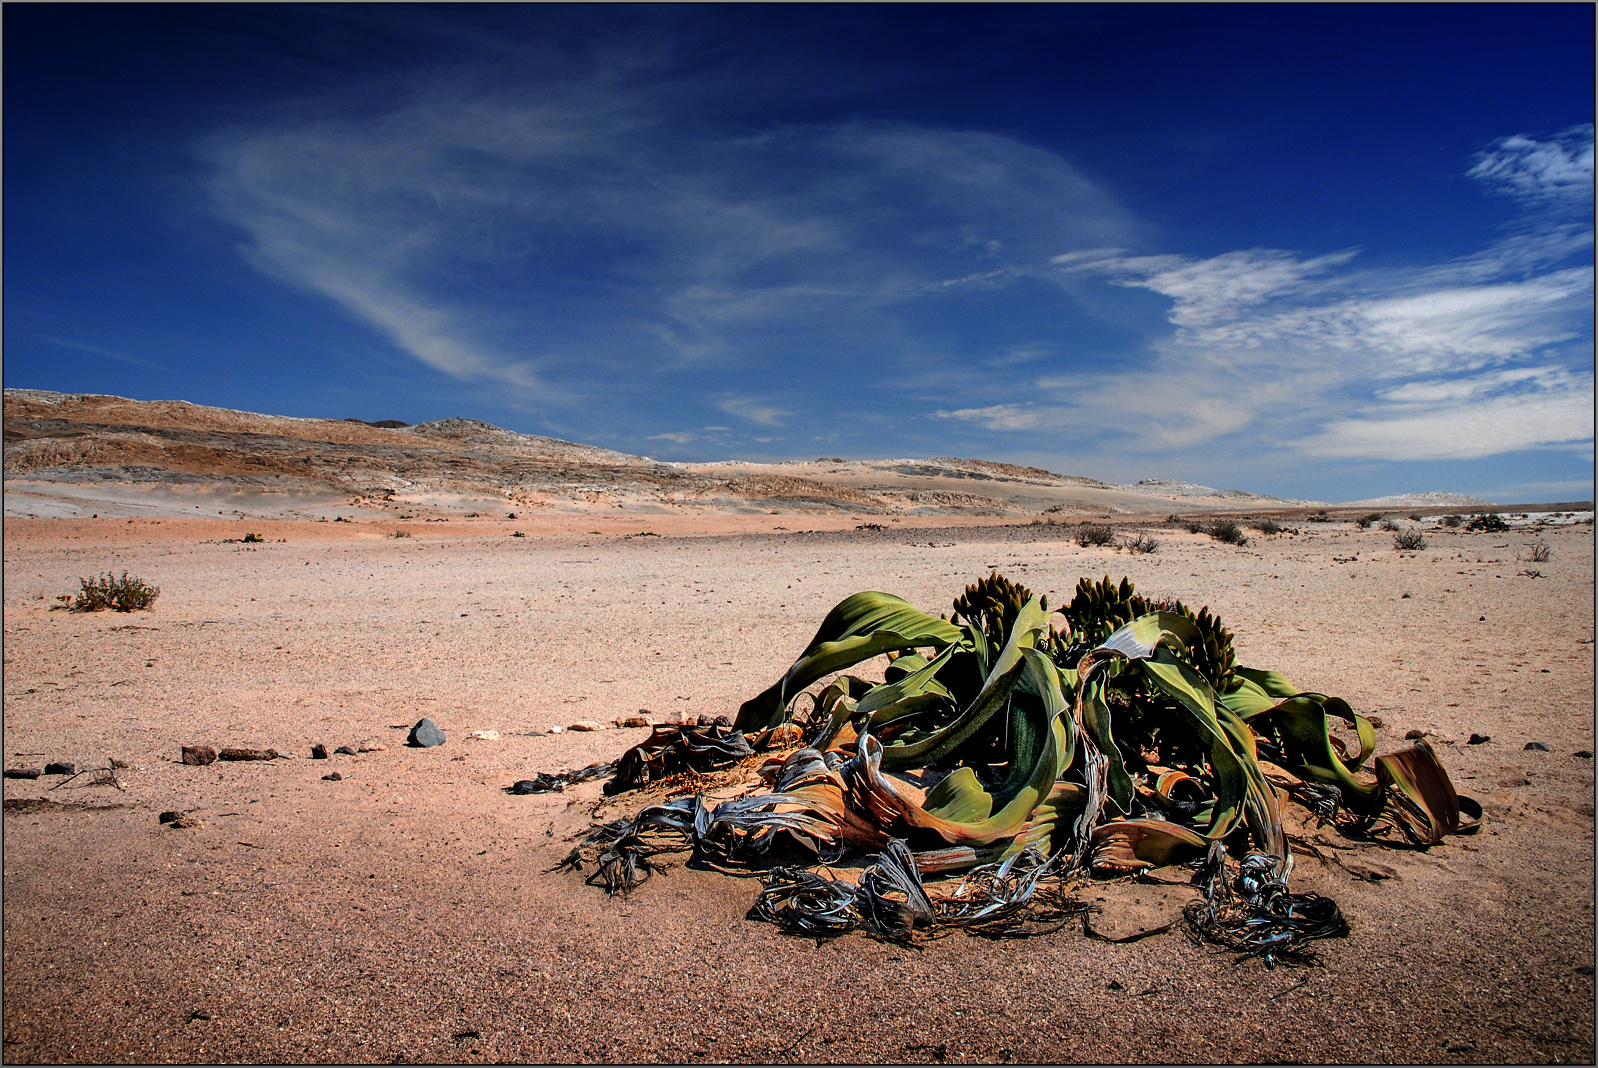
23	773
542	784
425	734
372	748
585	725
633	721
346	750
117	764
1584	969
722	721
1462	1047
555	730
1585	754
1377	722
248	754
1541	747
168	817
485	736
179	821
1478	739
333	776
318	752
1411	735
198	754
61	768
1369	870
1115	984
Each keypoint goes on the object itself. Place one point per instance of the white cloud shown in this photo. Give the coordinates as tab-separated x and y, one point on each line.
1462	360
680	438
997	416
109	354
1560	167
752	410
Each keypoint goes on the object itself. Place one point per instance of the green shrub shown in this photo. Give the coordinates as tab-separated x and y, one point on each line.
1228	531
1140	544
1409	541
123	594
1094	534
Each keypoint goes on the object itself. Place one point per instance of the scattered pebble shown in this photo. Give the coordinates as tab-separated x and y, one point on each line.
346	750
248	754
425	734
168	817
1411	735
1541	747
1584	969
180	821
1478	739
633	721
333	776
554	730
371	748
61	768
486	736
585	725
23	773
1585	754
318	752
540	785
198	754
1377	722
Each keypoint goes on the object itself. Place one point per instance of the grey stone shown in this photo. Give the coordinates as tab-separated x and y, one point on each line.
1541	747
198	754
23	773
346	750
1478	739
61	768
1411	735
333	776
425	734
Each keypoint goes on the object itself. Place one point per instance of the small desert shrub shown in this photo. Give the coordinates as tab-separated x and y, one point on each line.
1388	524
1539	553
1140	544
1194	526
1228	531
1320	517
400	534
1267	526
253	539
1409	541
1365	521
1452	521
1414	517
123	594
1094	534
1487	523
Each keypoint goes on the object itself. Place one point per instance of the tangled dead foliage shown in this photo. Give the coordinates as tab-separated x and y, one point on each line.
1031	756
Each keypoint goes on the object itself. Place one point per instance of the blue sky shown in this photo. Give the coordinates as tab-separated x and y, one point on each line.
1329	252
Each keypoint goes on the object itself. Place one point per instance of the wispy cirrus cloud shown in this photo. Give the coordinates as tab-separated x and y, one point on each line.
996	416
1557	167
1488	354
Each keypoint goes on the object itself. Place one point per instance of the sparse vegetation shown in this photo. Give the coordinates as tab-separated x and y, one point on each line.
1388	524
253	539
1487	523
399	533
1452	521
868	526
1321	517
1409	541
125	594
1140	544
1228	531
1414	517
1364	521
1094	534
1267	525
1194	526
1540	553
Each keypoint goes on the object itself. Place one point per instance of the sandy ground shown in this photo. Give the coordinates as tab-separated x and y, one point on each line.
407	913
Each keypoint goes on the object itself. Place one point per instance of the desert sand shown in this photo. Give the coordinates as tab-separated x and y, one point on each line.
408	911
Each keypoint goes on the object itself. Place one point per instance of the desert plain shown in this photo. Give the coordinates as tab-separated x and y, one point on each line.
408	911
